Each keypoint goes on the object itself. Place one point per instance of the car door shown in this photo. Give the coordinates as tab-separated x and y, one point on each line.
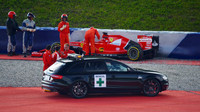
98	77
123	77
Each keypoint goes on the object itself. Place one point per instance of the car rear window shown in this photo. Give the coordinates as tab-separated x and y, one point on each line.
77	68
56	66
97	66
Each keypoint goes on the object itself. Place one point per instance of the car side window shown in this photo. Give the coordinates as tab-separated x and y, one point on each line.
116	67
97	66
77	68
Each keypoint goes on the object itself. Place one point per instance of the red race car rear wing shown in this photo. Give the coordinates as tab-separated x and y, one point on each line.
148	41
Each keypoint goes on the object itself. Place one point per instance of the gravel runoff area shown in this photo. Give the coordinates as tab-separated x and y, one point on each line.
19	73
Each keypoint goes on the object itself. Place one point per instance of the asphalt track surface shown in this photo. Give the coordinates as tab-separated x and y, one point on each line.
33	99
25	98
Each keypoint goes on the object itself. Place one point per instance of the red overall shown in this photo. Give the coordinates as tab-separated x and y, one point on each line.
47	59
90	38
64	34
55	56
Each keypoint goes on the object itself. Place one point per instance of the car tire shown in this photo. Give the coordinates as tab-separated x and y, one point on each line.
135	53
79	89
151	87
54	45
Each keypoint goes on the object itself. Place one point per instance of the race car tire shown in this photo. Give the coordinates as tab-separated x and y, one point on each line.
79	89
54	45
151	87
135	53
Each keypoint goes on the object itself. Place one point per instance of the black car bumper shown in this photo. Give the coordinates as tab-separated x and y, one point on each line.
165	85
53	87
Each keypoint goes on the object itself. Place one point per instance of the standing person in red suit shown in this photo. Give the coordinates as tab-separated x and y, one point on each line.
56	54
90	39
63	28
64	54
47	58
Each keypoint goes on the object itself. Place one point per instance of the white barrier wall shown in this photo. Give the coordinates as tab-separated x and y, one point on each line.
168	40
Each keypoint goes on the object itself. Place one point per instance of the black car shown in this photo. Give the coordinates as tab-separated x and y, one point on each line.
78	77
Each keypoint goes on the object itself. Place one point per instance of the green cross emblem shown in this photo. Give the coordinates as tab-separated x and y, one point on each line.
100	82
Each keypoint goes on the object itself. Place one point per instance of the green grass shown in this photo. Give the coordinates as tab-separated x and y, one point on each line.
156	15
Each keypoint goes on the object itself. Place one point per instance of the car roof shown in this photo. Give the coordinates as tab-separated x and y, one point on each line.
95	58
87	58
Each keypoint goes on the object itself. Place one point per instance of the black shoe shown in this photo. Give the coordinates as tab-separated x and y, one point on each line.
28	52
24	55
9	53
13	53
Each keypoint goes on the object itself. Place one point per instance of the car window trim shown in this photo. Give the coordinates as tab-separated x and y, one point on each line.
106	69
119	63
75	65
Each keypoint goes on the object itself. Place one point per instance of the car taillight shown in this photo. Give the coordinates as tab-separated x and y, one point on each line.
57	76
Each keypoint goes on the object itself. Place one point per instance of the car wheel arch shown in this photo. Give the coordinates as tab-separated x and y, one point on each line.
154	78
72	90
149	78
83	79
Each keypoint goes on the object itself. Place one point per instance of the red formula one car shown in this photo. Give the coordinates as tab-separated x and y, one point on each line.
119	46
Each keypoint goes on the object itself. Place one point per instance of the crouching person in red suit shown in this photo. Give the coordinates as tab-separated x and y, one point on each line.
47	58
90	39
64	53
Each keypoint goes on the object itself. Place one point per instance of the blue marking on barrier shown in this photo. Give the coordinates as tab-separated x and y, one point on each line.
42	37
189	48
2	27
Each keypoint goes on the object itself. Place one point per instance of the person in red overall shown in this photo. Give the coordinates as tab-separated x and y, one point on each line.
47	58
64	54
56	55
90	39
63	28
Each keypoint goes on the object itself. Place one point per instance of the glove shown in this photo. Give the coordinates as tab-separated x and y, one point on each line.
33	30
28	29
63	27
